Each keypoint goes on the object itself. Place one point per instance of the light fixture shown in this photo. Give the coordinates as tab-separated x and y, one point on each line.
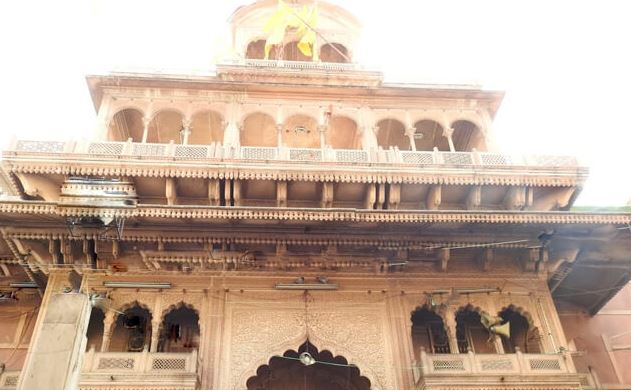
23	285
162	285
306	359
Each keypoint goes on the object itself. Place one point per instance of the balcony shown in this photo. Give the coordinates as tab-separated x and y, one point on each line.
495	370
113	370
217	153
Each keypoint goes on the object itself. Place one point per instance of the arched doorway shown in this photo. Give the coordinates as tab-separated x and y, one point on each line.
287	372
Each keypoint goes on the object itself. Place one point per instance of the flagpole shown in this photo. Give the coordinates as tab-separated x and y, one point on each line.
320	35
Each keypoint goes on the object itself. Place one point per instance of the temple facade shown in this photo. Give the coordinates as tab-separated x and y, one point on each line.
298	223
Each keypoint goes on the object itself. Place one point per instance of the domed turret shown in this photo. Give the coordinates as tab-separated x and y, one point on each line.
337	32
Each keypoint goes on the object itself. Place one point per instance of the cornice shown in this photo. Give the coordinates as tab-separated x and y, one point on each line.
48	164
211	213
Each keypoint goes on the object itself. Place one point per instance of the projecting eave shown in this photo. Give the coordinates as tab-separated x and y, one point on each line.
295	84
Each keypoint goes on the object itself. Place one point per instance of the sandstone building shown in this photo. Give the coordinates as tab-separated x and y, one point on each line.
297	223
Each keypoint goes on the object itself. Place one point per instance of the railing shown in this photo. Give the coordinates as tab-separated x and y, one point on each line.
215	151
140	362
491	364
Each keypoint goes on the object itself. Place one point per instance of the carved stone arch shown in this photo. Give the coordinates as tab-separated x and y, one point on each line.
383	114
533	336
159	108
207	125
136	302
250	109
125	105
453	117
343	132
343	370
126	121
391	132
314	112
321	345
300	130
179	305
258	129
217	108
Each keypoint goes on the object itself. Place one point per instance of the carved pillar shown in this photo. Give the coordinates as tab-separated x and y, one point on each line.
448	132
186	130
156	320
322	131
108	327
369	137
145	129
410	132
279	134
449	317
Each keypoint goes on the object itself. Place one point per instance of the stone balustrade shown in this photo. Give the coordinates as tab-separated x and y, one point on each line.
173	370
505	364
218	152
306	65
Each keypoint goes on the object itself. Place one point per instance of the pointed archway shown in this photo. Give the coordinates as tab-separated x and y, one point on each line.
288	373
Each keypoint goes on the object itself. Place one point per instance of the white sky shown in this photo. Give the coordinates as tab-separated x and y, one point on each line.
565	65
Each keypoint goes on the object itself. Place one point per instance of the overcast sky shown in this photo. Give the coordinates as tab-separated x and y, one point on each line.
565	65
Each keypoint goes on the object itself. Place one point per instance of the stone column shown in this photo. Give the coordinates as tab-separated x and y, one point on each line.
279	134
369	138
145	130
155	335
108	327
322	131
449	132
410	134
450	327
54	359
186	131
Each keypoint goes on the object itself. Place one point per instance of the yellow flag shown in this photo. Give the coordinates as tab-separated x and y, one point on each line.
277	26
306	30
286	18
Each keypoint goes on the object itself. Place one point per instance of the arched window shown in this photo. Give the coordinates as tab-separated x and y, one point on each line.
94	332
428	332
522	335
132	331
392	133
179	331
342	133
467	136
256	50
290	52
125	124
428	135
206	128
471	334
166	126
330	52
301	131
259	129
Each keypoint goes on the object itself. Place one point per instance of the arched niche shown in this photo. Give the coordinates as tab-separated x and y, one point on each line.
287	372
523	334
342	133
206	128
300	131
428	332
255	50
259	129
470	333
467	136
289	52
330	52
125	124
392	133
428	135
165	126
94	331
132	330
179	331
